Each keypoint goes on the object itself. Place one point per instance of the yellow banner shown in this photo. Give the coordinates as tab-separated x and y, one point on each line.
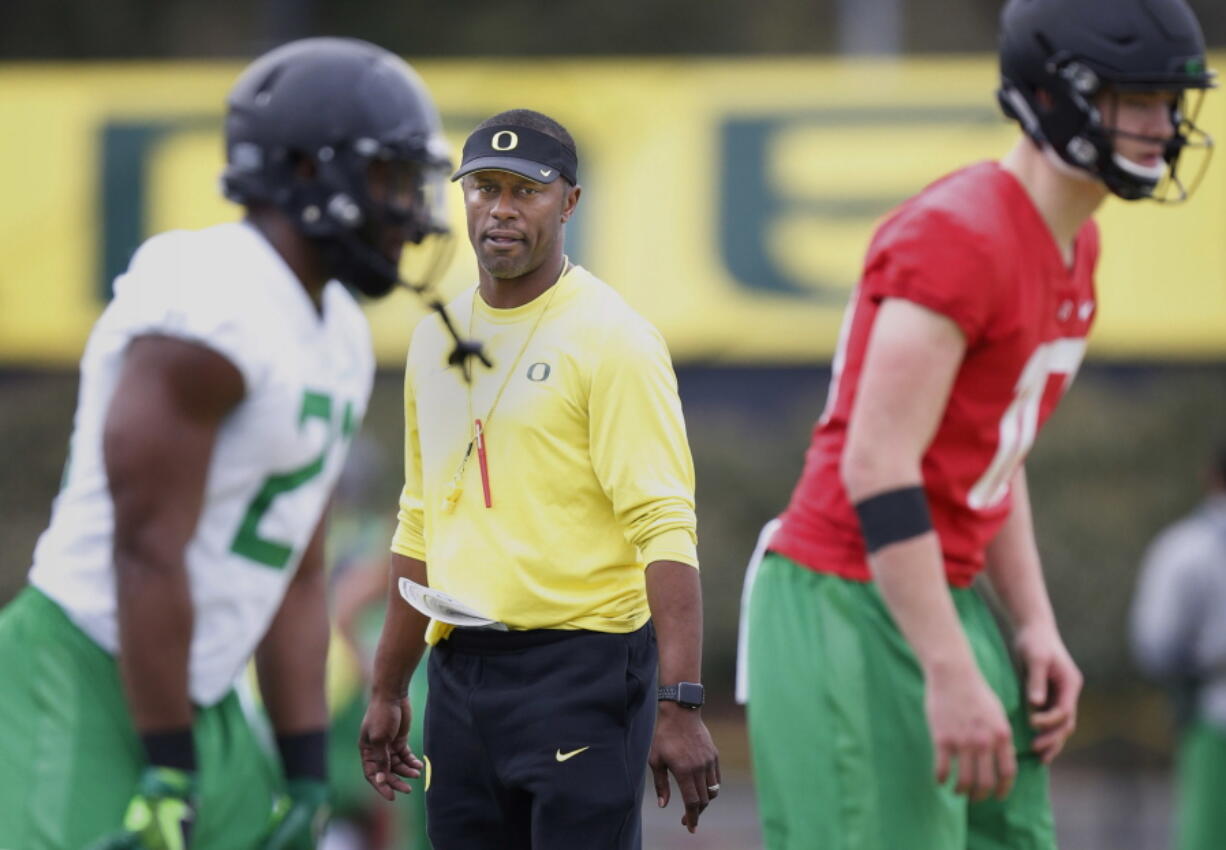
730	201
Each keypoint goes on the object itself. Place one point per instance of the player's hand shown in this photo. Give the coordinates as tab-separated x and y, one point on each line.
968	725
682	745
299	817
1053	685
160	814
384	747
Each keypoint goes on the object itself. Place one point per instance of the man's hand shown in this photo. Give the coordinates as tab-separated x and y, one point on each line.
300	816
1053	684
160	814
683	747
384	747
968	724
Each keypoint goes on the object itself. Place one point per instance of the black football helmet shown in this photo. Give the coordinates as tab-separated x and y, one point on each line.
308	123
1056	56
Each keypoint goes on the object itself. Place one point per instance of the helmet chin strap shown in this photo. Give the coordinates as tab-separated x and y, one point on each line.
463	350
1145	174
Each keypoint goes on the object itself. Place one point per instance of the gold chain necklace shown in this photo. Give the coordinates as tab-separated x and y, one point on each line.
477	427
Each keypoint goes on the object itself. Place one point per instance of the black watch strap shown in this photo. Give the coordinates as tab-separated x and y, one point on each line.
685	694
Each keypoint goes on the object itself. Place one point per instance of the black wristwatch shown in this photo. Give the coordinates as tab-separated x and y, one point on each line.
685	694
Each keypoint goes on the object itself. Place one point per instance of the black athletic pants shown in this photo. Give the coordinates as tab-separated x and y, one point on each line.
538	740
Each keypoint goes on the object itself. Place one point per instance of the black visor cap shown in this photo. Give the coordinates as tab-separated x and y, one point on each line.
519	150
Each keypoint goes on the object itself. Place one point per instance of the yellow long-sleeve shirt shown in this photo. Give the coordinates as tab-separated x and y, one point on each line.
589	469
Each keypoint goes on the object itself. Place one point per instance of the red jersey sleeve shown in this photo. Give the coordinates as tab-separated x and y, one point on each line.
930	258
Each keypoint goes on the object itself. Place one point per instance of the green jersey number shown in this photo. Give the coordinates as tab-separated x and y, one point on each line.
273	553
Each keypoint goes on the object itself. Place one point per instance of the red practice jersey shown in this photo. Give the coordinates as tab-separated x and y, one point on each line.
973	247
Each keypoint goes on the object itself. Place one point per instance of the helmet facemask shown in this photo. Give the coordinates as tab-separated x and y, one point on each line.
1066	65
1086	137
1187	153
374	209
309	125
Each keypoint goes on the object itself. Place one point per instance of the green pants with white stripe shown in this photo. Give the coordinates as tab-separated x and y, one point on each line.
69	755
841	749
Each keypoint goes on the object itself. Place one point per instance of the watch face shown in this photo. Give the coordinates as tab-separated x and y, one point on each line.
690	694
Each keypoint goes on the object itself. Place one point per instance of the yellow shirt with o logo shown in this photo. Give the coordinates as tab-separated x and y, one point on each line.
588	468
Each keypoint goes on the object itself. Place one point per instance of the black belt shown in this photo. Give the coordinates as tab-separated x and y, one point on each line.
483	640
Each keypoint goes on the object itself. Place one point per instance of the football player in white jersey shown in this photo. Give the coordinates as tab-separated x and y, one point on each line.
219	393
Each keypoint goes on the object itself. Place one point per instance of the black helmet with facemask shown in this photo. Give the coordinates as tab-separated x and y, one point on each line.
310	123
1058	56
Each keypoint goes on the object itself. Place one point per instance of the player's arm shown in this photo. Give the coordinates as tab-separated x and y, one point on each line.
1053	682
290	662
912	360
292	656
168	405
383	742
170	400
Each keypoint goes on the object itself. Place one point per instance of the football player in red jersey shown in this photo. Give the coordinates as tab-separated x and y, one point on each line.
884	711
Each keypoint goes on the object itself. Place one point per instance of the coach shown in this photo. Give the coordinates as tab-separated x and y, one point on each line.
552	493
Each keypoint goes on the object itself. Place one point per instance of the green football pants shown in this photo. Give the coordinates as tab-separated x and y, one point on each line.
71	756
1200	813
841	749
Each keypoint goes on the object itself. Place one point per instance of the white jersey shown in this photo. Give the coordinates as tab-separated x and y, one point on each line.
1179	609
277	456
